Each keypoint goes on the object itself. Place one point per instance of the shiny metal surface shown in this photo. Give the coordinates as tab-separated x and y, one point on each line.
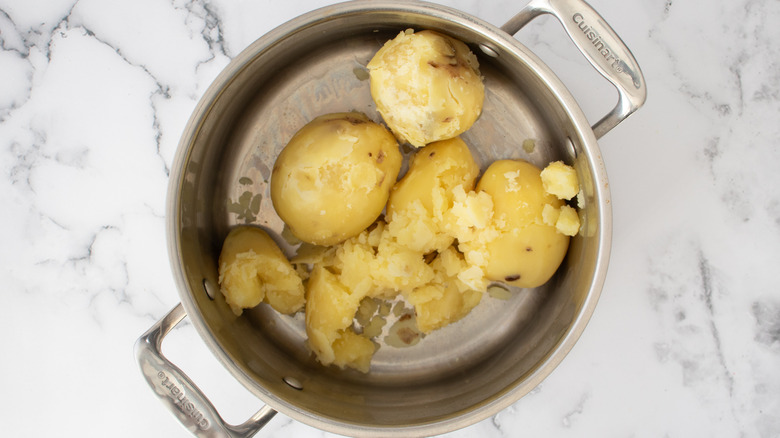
601	46
180	395
457	376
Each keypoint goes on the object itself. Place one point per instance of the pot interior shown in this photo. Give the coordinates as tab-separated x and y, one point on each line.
316	65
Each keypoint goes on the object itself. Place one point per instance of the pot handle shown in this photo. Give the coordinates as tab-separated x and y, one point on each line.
605	51
180	395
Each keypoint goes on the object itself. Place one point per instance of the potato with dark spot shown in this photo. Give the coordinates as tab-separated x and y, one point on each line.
427	86
333	178
418	201
528	251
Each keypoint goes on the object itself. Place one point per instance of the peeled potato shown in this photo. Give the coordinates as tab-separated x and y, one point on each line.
252	269
333	178
528	251
427	86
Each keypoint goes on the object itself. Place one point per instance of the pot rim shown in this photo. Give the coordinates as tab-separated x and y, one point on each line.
492	35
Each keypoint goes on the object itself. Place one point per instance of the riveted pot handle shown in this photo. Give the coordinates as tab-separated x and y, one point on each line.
180	395
605	51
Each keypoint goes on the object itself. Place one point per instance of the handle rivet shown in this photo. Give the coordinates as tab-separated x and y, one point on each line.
572	151
292	382
489	51
209	288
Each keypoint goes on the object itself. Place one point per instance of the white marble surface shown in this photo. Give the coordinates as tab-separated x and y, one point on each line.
685	340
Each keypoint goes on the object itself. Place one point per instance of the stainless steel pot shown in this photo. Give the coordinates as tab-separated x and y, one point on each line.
457	376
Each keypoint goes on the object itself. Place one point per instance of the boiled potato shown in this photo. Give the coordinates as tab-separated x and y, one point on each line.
426	86
333	178
528	251
433	173
252	269
330	309
418	201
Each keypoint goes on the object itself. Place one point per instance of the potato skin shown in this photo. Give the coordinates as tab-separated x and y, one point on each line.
252	269
528	251
333	178
427	86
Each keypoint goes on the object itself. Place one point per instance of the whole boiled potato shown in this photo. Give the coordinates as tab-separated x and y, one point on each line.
333	178
427	86
528	251
252	269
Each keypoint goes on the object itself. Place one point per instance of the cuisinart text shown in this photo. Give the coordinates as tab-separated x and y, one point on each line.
182	402
597	42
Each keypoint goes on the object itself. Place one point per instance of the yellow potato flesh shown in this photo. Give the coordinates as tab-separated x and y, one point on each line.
427	86
417	203
528	251
252	269
333	178
330	309
560	179
445	299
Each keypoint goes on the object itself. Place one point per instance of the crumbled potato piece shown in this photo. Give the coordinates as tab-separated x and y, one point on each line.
397	267
252	269
550	214
470	221
560	179
333	178
568	222
446	299
330	308
426	86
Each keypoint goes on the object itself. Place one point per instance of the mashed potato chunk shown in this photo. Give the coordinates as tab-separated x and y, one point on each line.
252	269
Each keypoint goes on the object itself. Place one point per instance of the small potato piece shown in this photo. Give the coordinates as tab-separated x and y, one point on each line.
560	179
427	86
568	221
333	178
528	251
253	269
330	309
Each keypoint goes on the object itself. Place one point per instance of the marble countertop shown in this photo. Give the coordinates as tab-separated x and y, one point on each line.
685	340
